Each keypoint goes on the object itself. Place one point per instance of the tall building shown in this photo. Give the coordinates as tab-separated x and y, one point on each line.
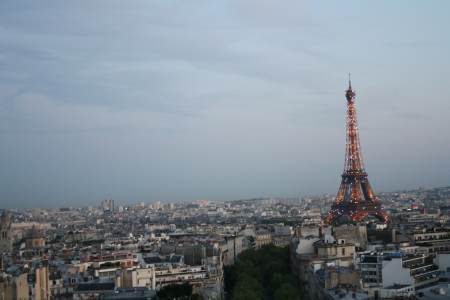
355	201
5	233
108	205
14	287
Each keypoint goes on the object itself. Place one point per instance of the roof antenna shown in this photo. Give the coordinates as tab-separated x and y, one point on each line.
349	81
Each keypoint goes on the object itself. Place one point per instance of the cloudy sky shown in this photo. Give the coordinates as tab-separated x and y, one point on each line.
181	100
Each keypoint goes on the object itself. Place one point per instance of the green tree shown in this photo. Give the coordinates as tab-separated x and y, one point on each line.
240	294
175	291
276	281
262	274
247	283
286	292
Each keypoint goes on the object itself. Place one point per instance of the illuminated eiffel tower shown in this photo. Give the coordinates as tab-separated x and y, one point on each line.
355	201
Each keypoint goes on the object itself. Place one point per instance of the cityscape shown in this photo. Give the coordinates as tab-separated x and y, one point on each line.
68	138
348	246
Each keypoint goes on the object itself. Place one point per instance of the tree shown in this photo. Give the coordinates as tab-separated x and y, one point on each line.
276	281
286	292
262	274
175	291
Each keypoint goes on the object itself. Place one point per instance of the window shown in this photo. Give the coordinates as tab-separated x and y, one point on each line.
343	251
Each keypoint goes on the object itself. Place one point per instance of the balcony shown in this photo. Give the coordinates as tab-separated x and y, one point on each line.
423	268
428	273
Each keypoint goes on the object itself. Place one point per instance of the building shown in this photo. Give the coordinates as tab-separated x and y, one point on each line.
108	205
106	266
157	277
129	294
324	264
262	238
39	281
230	248
34	239
5	233
435	240
370	266
439	292
93	290
14	287
396	273
355	234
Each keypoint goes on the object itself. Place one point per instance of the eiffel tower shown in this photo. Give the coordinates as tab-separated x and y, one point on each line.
355	201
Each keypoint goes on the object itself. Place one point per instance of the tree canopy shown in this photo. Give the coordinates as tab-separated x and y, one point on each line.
178	292
262	274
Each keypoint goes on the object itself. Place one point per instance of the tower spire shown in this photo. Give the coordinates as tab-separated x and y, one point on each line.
349	81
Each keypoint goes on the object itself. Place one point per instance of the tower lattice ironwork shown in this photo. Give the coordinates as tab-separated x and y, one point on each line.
355	200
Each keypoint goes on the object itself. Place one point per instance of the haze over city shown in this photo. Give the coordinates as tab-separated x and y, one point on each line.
218	100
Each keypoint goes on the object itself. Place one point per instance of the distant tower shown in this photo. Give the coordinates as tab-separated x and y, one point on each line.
355	201
108	205
5	233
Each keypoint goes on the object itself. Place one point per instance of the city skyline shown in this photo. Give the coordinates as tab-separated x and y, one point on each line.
217	101
224	150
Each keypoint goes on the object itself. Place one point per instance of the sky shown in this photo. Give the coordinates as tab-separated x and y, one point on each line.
220	100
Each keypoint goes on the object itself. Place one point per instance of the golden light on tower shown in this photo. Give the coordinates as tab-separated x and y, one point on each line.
355	200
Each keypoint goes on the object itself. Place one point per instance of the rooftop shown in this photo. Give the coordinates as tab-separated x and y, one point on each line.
397	286
131	293
95	286
439	292
343	294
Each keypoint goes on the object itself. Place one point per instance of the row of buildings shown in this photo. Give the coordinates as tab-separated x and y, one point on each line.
356	262
101	251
